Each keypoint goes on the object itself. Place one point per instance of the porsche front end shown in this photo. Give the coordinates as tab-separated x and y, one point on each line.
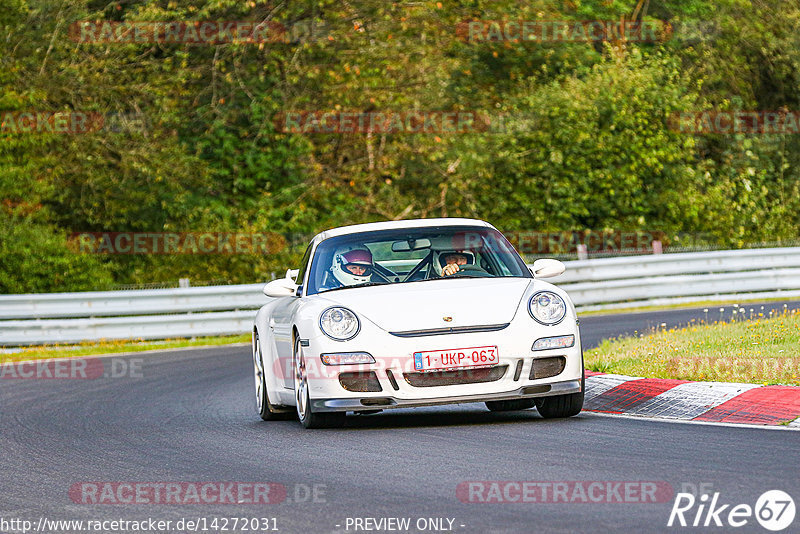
418	348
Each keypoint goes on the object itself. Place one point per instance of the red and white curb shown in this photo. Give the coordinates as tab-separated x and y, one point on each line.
717	402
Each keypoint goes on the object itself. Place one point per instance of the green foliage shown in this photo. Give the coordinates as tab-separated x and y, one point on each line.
37	258
588	157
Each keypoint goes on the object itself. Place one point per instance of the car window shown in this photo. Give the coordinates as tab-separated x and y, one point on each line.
398	262
415	255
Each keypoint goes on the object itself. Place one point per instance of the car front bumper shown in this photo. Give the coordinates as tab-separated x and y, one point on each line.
376	401
513	377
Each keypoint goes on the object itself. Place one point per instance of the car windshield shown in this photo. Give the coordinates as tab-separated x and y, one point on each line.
411	256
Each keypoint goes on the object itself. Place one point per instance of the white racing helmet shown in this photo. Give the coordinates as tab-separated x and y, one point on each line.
352	265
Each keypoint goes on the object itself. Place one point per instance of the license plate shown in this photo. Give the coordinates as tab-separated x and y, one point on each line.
456	358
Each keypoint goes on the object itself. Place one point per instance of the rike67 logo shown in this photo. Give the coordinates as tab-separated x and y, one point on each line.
774	510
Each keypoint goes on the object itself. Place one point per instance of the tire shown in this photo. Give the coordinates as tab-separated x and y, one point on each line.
510	405
559	406
308	417
267	410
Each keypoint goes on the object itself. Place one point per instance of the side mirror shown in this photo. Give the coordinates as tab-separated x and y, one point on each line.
547	268
283	287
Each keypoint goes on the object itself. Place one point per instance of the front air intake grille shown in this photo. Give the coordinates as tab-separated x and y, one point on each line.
547	367
360	381
453	378
451	330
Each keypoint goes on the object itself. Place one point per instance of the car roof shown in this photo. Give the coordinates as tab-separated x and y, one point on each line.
396	225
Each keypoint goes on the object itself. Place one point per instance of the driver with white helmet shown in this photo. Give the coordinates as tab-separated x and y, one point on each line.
351	265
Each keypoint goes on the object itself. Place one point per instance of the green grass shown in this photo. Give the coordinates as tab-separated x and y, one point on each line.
116	346
764	350
712	305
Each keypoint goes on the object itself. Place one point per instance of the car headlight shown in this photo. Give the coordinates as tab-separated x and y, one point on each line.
339	323
547	308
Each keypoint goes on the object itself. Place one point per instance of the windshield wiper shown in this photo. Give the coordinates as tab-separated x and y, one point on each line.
445	278
365	284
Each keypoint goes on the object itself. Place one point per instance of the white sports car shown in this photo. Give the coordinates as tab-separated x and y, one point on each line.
415	313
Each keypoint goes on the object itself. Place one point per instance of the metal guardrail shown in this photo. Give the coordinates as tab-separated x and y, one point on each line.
52	331
631	282
720	261
132	302
628	282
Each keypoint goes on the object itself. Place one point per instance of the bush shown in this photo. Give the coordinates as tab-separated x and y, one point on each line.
36	258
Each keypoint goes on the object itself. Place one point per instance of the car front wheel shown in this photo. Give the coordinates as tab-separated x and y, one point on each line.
559	406
308	417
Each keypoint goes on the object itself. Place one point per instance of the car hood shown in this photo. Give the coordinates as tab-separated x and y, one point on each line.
423	305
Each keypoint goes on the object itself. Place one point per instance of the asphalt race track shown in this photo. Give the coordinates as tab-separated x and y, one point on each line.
189	417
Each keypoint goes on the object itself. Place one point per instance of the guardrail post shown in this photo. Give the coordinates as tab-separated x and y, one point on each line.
657	247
